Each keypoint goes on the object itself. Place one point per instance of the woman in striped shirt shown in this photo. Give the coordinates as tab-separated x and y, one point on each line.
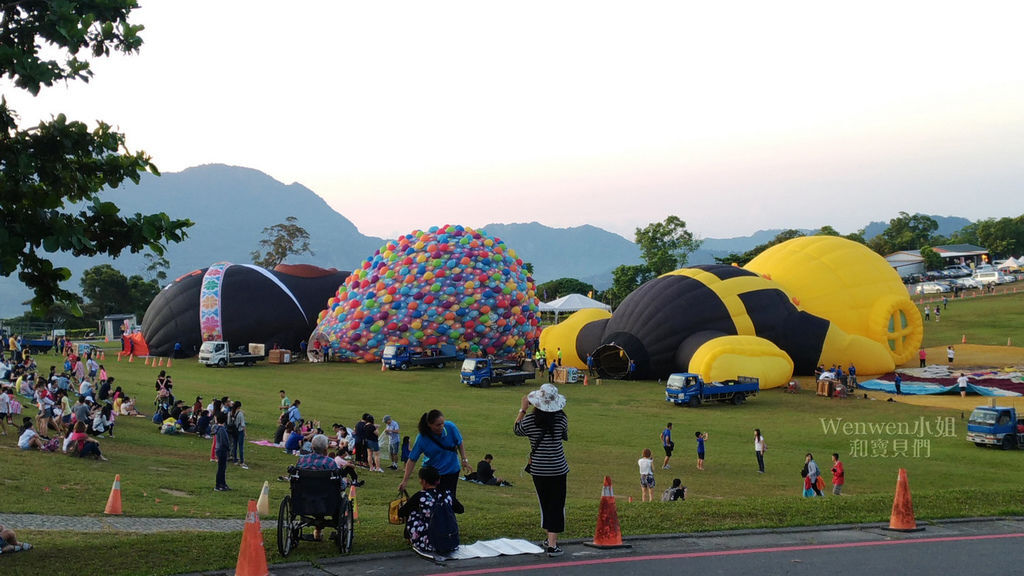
547	427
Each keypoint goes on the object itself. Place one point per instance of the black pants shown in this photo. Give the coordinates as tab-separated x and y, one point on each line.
760	460
222	466
551	495
450	482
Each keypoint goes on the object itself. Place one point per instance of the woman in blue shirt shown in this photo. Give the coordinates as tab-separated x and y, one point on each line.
440	443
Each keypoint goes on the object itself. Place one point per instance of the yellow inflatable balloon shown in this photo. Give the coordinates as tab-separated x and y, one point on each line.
563	335
856	290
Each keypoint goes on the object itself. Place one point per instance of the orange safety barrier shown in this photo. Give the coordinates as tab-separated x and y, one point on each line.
252	556
902	517
114	500
607	534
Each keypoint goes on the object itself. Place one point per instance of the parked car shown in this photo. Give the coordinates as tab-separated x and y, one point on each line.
933	288
967	283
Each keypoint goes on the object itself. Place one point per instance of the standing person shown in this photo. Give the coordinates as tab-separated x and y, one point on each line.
759	447
938	313
372	437
922	356
927	313
898	383
667	444
551	372
631	370
852	371
961	382
558	355
838	475
590	364
238	440
950	353
547	427
394	438
285	402
700	448
812	475
220	431
438	441
646	464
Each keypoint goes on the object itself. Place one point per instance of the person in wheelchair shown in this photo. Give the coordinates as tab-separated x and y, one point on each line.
317	460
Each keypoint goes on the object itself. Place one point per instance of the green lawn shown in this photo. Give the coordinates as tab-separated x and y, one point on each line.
610	424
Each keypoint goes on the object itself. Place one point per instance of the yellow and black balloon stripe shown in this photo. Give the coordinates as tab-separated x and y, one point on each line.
663	313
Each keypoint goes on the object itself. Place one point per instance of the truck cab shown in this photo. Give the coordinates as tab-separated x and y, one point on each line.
995	426
476	371
681	388
395	355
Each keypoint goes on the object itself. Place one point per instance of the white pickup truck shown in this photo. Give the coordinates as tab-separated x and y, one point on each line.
218	353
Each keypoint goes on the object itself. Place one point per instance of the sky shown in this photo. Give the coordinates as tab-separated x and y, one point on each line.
734	116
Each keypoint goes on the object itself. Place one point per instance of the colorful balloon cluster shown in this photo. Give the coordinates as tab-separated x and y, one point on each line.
448	285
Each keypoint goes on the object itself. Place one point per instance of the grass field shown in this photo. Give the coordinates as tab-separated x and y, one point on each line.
610	423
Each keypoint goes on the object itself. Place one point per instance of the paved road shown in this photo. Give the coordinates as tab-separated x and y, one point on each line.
985	546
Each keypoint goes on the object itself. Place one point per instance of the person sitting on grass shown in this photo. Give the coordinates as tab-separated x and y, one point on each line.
676	492
29	439
419	508
485	473
83	444
9	541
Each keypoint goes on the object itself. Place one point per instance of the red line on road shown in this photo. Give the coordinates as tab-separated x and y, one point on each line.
550	565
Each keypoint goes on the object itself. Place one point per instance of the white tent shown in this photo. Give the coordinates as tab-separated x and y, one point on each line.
1012	264
572	303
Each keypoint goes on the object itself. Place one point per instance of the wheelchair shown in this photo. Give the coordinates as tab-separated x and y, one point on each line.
317	500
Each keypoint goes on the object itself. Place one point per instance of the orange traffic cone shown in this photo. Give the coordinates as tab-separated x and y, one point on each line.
146	361
383	366
963	339
103	355
263	504
168	362
161	363
902	517
252	557
586	380
607	534
114	501
355	503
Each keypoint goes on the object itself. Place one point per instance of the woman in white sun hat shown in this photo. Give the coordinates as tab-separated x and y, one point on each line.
547	427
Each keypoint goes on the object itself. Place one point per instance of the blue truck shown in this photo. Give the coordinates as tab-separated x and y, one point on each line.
483	372
996	426
400	357
687	389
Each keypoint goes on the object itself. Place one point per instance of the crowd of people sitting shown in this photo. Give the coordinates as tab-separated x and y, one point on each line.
73	406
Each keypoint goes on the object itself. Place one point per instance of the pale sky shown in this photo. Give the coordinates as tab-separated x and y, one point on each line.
734	116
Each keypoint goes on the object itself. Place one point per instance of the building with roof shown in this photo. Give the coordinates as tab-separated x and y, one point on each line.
908	262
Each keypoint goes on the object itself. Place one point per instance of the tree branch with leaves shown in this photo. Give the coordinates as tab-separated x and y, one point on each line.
280	241
51	174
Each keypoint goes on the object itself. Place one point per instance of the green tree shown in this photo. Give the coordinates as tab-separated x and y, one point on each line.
625	279
157	267
827	230
280	241
1003	237
667	245
932	260
108	291
905	232
563	287
52	173
743	259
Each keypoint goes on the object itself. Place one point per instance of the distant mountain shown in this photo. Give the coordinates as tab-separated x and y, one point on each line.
231	206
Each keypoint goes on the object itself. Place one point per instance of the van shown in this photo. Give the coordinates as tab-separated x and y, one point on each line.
987	277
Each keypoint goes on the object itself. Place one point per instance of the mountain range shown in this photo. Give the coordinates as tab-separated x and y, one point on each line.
231	206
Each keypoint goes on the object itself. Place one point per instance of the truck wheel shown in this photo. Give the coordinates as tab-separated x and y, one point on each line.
403	366
440	365
738	399
222	363
485	383
694	402
1009	442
